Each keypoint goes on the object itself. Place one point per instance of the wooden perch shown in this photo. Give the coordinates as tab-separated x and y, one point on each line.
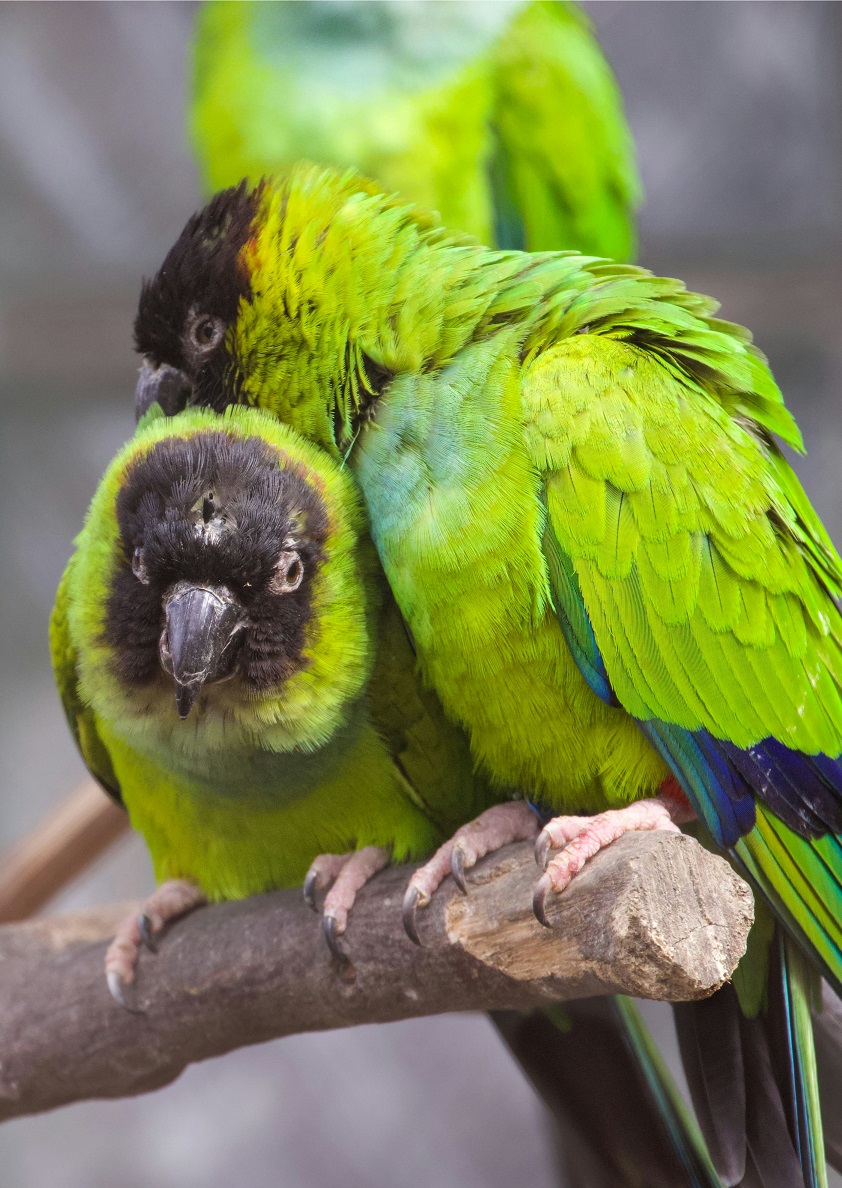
58	849
654	915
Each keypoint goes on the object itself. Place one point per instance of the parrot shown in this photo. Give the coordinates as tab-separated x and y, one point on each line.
237	677
504	117
610	573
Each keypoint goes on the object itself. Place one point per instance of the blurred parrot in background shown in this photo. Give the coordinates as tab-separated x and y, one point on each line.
236	675
503	117
611	575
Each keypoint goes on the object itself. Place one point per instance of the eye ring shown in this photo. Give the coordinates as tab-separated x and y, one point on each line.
288	575
206	332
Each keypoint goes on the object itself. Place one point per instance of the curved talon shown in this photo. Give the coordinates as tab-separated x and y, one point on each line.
144	927
457	868
116	988
310	889
543	845
539	900
330	928
412	900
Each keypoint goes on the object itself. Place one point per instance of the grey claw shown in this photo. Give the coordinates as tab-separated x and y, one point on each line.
542	849
329	927
144	927
411	901
539	900
457	868
310	889
116	988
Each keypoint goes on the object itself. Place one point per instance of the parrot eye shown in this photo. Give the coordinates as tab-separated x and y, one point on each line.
288	575
139	566
207	333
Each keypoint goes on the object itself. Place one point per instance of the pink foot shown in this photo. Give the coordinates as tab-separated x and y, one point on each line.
581	838
348	873
490	831
172	899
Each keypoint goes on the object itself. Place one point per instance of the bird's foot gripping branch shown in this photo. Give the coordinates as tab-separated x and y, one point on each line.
655	915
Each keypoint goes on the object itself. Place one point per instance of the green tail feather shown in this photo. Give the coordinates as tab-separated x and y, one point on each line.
802	879
802	988
683	1129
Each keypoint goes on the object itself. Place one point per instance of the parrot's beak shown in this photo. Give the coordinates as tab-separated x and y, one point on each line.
201	639
162	385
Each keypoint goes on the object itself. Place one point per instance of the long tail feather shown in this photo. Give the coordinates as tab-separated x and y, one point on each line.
827	1032
623	1121
753	1080
711	1051
793	990
684	1132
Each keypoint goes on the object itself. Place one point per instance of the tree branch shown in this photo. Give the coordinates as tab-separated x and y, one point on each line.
654	915
58	849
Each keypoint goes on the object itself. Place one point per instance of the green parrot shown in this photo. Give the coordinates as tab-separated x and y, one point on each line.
611	575
504	117
237	676
221	577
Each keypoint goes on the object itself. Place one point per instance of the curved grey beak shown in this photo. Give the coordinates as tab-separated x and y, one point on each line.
201	639
163	385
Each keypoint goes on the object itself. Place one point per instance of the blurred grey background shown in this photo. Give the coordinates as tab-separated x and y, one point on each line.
736	110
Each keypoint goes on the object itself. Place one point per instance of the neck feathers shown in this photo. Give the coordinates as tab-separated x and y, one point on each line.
360	288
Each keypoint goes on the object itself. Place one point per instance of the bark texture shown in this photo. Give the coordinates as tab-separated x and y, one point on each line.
655	915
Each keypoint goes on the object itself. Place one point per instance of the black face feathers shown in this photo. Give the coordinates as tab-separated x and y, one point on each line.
194	297
218	511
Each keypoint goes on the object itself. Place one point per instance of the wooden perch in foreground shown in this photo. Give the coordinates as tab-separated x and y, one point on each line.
655	915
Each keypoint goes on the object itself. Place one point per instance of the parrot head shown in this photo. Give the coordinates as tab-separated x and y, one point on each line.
187	312
220	548
285	296
232	589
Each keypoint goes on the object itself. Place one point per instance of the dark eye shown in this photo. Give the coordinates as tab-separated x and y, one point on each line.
288	575
139	567
207	332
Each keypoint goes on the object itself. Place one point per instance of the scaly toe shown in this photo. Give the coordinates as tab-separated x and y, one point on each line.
412	900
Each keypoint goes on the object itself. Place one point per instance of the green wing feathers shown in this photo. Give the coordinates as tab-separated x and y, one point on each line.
80	717
705	573
706	577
